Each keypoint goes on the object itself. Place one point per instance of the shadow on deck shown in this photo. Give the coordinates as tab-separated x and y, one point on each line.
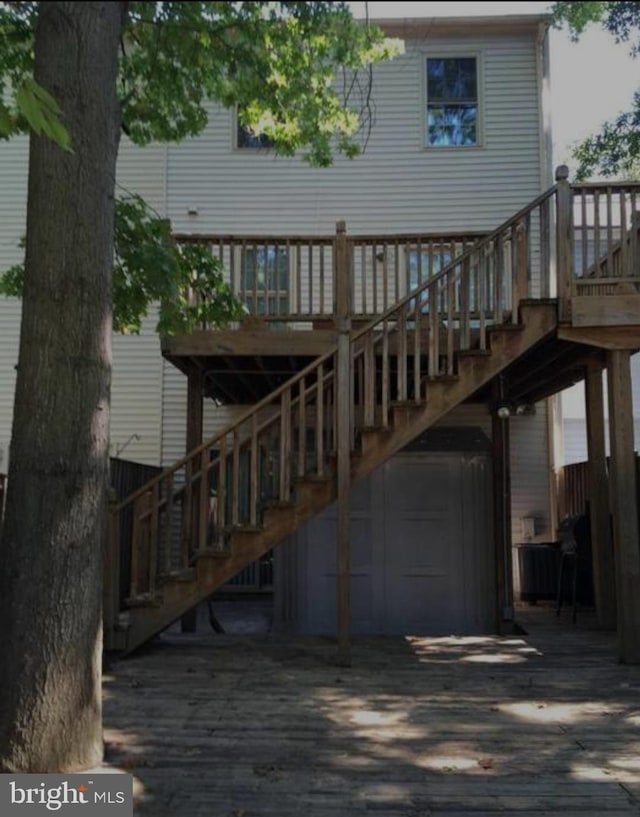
230	726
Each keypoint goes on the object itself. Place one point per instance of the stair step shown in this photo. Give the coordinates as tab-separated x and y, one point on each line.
274	513
211	553
505	327
186	575
144	600
442	378
474	353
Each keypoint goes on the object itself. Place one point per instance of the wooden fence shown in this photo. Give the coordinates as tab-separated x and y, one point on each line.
572	483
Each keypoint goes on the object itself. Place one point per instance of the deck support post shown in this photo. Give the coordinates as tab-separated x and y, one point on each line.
343	396
624	505
602	546
195	400
502	511
564	241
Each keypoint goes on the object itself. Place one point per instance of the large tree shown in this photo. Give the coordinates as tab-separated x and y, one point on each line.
76	74
615	150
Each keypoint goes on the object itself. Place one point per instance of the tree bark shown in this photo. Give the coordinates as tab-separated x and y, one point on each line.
52	543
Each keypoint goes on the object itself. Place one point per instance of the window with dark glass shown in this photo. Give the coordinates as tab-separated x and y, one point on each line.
452	101
246	138
265	280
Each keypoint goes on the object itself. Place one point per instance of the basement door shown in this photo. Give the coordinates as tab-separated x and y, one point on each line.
421	560
423	545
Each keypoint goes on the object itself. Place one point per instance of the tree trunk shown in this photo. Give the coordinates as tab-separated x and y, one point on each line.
51	547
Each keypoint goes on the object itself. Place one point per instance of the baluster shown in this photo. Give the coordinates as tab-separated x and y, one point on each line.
321	249
374	267
396	265
235	279
154	544
451	295
139	505
203	502
309	275
363	278
320	421
221	498
482	269
585	238
609	234
253	478
634	224
187	514
465	293
168	521
285	447
299	274
385	277
235	478
515	271
369	381
597	261
302	432
498	262
432	298
417	352
385	374
624	248
402	354
545	249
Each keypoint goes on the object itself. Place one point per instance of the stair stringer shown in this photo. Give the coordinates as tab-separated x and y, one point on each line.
246	545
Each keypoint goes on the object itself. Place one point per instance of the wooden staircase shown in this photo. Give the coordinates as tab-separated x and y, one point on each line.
195	526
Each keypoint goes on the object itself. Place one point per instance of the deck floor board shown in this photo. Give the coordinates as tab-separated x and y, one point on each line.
541	725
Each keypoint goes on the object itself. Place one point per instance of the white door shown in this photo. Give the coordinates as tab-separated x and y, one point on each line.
423	549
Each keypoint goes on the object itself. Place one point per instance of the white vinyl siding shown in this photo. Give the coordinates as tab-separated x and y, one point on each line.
136	391
396	185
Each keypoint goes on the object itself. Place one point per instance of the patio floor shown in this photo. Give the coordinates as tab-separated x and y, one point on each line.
258	726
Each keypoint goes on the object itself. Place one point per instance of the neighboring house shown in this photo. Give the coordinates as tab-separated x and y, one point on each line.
461	142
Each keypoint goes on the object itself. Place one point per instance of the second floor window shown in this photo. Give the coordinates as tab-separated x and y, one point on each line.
246	138
452	102
265	280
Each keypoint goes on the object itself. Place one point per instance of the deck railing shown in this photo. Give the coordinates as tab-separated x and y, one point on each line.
293	279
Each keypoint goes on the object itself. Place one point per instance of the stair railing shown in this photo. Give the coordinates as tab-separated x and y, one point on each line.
419	337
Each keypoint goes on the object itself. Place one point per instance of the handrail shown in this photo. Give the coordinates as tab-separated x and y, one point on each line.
578	187
257	407
250	238
411	296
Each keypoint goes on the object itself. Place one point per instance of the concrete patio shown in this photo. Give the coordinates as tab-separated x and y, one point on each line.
258	726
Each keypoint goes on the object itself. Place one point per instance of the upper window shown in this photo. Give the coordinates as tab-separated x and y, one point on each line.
265	280
452	102
246	138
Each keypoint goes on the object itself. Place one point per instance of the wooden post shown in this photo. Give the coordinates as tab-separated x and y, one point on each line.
342	275
111	581
343	394
195	398
602	546
624	505
564	241
502	513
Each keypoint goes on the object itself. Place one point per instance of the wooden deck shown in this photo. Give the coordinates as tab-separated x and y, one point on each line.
226	726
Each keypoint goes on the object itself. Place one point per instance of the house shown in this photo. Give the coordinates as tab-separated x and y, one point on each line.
404	334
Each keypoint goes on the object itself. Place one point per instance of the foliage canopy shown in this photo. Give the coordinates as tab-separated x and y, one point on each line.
615	150
277	62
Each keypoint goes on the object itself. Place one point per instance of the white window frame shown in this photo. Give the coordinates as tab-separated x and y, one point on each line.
458	53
